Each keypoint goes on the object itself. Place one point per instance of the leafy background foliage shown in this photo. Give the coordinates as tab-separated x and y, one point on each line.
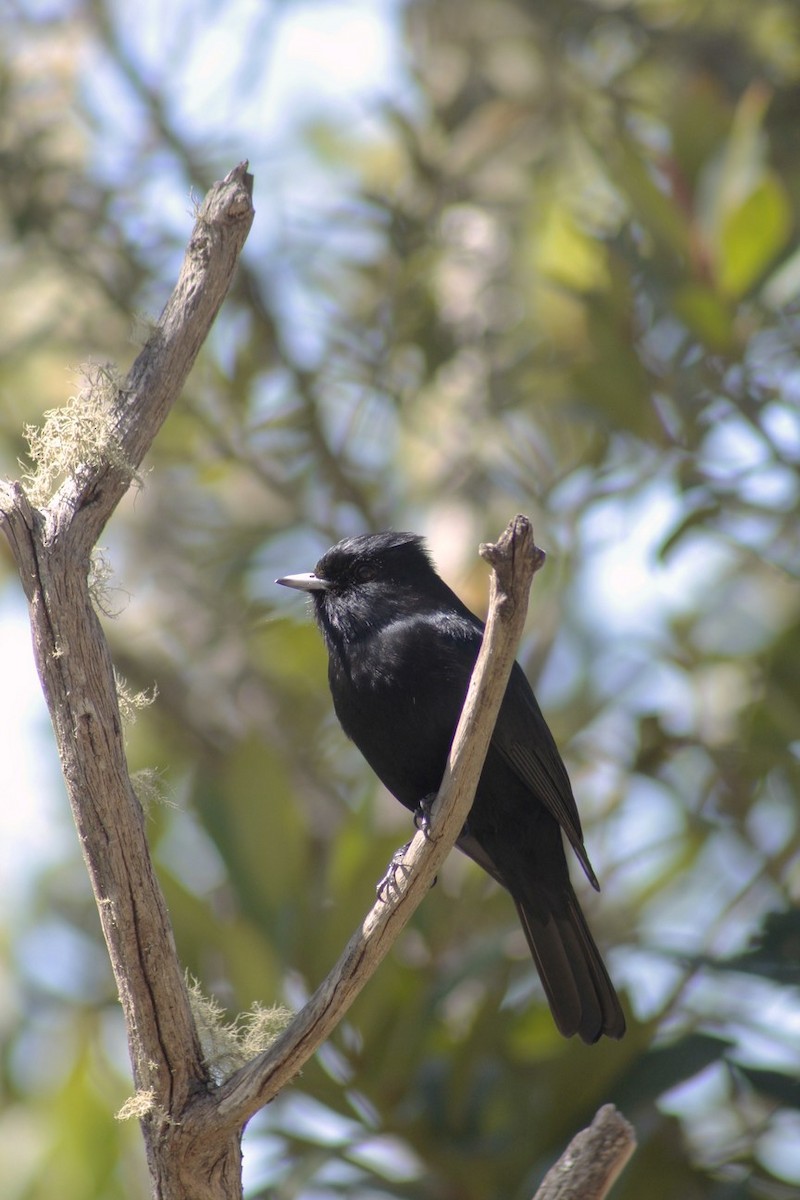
551	268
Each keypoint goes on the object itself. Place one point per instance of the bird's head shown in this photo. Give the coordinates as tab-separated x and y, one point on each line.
365	581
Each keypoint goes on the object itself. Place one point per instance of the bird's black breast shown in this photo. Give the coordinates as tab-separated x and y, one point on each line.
398	692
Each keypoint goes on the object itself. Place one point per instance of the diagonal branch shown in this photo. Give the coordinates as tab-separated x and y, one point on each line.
86	500
515	558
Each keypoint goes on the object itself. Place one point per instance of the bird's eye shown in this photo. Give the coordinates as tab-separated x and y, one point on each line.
364	572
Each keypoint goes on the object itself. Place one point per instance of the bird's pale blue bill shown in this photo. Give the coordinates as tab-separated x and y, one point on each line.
305	582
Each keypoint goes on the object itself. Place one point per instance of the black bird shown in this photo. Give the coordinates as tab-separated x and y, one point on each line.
401	649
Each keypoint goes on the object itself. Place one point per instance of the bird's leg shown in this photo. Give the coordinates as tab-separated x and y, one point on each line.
422	821
389	879
422	813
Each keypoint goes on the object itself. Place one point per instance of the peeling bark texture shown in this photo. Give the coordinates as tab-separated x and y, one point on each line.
192	1129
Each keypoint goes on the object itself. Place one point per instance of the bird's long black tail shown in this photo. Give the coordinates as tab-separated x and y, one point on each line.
581	995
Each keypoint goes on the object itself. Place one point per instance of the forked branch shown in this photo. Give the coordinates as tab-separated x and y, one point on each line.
192	1129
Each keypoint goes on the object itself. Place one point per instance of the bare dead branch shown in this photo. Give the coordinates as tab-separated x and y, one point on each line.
52	547
592	1161
87	499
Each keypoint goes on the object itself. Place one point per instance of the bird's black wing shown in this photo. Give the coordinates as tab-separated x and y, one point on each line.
525	742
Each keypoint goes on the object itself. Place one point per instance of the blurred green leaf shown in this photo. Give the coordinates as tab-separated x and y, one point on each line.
663	1067
777	1086
752	235
775	953
650	202
707	316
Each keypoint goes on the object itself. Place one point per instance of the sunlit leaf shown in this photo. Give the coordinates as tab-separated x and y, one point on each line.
752	235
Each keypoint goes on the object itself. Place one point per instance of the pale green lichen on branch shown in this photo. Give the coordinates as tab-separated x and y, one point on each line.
136	1107
228	1045
132	703
78	435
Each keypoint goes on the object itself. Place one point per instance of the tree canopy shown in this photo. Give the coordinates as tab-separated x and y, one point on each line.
550	265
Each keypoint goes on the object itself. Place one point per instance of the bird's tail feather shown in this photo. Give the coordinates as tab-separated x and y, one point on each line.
580	993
